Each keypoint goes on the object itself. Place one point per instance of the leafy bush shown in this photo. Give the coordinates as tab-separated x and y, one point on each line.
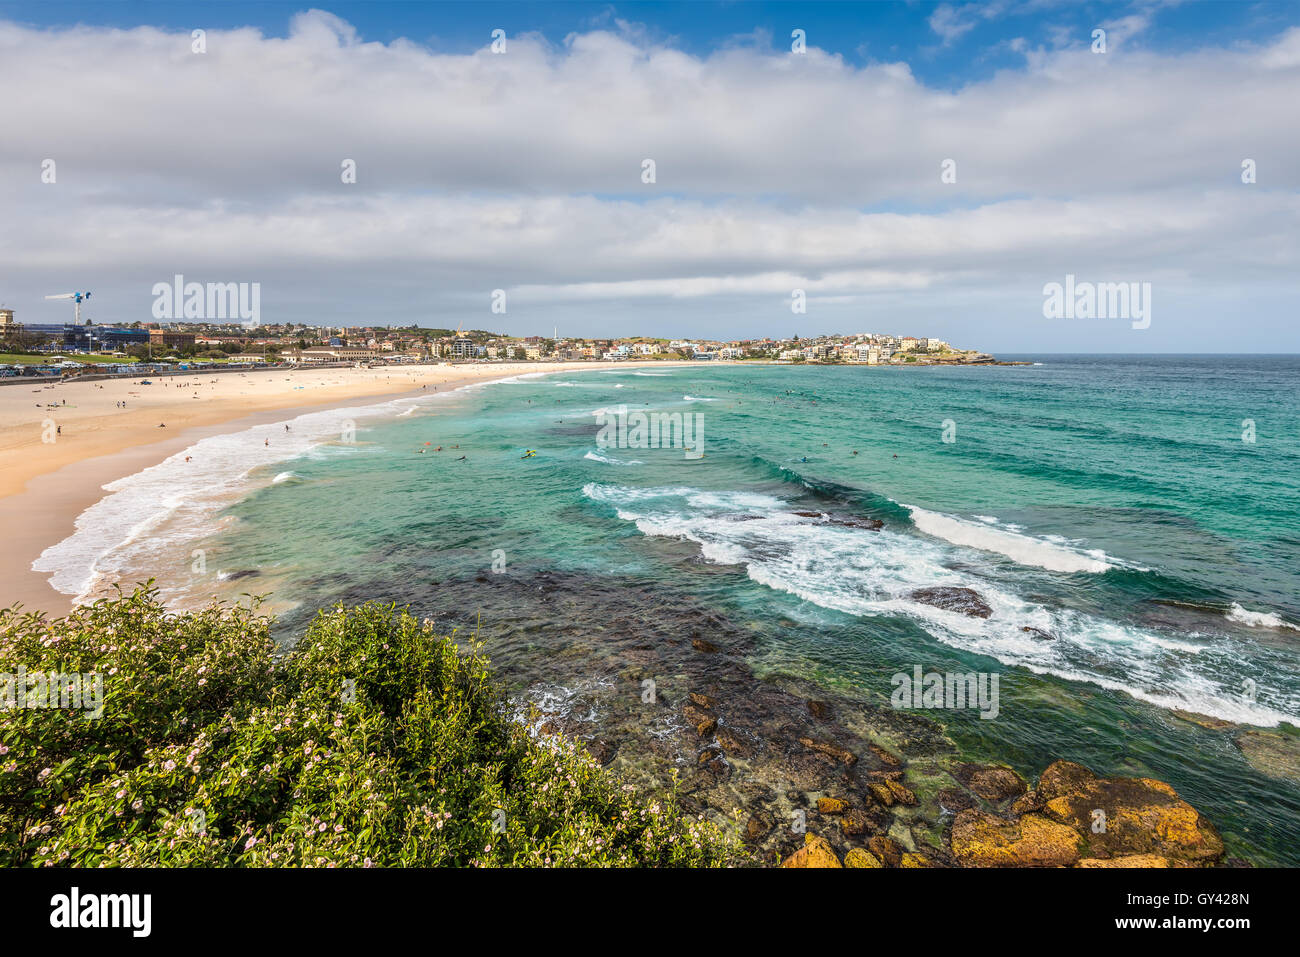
375	741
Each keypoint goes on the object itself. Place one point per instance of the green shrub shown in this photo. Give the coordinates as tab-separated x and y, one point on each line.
375	741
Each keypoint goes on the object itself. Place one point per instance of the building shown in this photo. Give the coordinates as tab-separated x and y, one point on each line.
167	339
317	354
462	348
104	338
7	323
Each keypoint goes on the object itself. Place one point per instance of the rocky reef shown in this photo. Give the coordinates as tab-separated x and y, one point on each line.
663	691
1073	818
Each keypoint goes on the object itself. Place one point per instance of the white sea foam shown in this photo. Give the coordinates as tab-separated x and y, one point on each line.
874	573
1258	619
697	398
144	517
598	457
1053	555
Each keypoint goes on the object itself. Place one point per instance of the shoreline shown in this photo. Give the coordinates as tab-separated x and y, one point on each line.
46	485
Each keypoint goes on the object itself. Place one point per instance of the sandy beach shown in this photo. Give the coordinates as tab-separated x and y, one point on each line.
62	442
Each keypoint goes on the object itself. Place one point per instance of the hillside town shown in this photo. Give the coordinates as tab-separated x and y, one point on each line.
298	344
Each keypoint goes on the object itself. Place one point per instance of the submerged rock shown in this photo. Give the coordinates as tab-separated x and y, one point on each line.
964	601
820	710
855	822
887	758
1271	753
830	805
890	792
845	521
830	749
992	782
886	849
758	826
1204	720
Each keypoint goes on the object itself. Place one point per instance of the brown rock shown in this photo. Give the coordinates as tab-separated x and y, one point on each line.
1129	860
886	849
857	857
829	805
996	783
887	758
902	795
955	799
815	853
758	827
880	791
708	647
855	822
885	775
1142	816
982	840
703	700
820	710
728	741
913	860
830	750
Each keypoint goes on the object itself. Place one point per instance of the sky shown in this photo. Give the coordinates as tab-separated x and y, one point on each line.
915	168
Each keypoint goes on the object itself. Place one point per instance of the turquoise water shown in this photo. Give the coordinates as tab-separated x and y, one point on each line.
1137	555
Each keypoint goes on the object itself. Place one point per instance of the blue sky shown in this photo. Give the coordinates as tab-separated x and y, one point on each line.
775	172
859	32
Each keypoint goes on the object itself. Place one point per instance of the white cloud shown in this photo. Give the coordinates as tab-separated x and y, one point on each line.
522	171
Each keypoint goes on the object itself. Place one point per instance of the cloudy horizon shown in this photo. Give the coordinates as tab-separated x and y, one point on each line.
774	170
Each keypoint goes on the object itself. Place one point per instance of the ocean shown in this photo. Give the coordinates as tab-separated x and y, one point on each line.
1128	523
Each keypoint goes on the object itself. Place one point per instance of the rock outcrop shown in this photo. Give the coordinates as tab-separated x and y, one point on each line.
964	601
814	853
1075	818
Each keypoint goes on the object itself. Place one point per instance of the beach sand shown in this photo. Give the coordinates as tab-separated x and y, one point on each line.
45	485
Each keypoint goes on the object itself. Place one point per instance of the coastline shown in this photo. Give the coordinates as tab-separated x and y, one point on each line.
45	486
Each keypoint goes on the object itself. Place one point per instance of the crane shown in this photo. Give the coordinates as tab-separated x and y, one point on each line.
76	297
